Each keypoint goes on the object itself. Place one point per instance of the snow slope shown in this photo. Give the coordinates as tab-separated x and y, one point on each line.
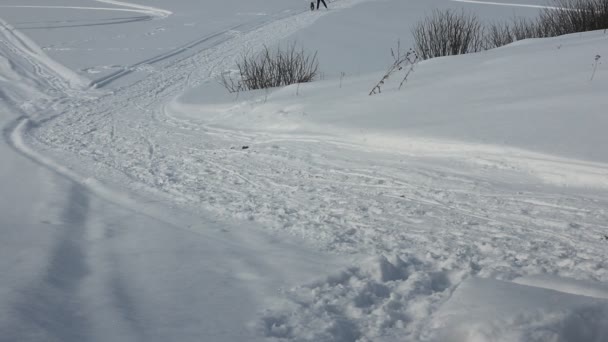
76	267
83	262
484	175
491	310
100	41
378	25
514	106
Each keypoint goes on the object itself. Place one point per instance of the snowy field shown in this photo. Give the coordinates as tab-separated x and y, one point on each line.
142	202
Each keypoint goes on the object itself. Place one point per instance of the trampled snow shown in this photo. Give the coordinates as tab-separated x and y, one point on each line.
471	205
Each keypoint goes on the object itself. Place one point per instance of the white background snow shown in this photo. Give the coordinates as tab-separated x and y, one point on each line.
471	205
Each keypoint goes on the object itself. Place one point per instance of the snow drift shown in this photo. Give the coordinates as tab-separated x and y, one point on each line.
483	176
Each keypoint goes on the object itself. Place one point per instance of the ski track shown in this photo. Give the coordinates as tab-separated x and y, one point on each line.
126	7
449	220
157	12
58	77
83	8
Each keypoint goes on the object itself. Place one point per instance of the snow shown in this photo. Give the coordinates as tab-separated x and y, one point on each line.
339	37
81	262
469	205
563	113
121	35
493	310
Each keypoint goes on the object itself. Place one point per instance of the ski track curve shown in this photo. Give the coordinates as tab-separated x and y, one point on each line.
126	7
55	75
451	221
154	11
85	8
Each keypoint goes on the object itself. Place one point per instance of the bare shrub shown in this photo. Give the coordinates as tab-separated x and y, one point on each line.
231	82
571	16
448	32
499	34
269	69
564	17
528	28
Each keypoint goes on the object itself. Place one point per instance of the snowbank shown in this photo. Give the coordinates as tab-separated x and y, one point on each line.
492	310
402	300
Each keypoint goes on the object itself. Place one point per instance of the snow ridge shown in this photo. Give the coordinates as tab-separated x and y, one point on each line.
59	77
153	11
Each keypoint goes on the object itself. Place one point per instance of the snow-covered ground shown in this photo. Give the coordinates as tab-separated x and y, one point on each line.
141	201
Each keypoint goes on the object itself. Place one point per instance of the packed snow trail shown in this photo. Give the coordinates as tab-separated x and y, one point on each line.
444	218
82	262
77	268
25	50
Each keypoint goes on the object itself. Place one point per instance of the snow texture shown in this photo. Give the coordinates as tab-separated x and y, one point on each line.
471	205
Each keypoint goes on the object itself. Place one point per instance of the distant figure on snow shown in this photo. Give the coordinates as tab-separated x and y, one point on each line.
321	1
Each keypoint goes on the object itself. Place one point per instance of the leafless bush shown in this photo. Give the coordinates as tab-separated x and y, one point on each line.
231	82
529	28
571	16
448	32
270	69
564	17
401	61
499	34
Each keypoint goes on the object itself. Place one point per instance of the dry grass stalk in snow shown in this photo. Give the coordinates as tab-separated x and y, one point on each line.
401	60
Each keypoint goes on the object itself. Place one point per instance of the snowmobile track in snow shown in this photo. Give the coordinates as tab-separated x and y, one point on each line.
313	187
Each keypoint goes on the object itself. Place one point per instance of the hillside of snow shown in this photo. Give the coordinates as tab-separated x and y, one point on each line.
529	106
463	159
143	202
